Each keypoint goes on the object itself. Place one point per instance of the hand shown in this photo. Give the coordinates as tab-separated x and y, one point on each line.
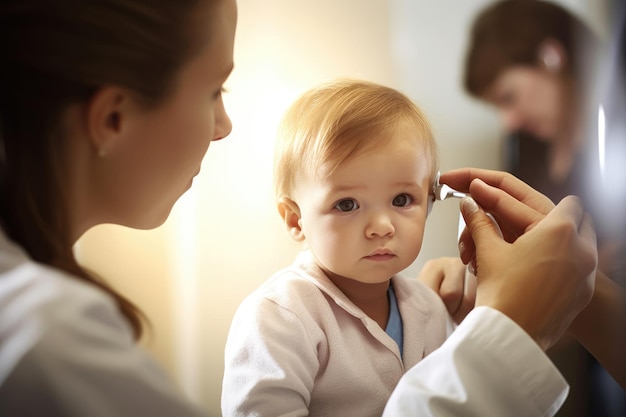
456	286
519	208
463	179
599	326
486	187
543	279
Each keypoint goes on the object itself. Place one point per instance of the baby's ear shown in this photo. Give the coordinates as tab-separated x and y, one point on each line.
290	212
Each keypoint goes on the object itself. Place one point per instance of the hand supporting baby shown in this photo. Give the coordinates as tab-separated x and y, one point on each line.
452	280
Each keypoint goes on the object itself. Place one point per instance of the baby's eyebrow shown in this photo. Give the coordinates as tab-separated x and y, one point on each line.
407	184
345	188
412	185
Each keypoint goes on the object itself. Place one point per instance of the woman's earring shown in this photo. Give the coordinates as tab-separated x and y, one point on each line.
551	59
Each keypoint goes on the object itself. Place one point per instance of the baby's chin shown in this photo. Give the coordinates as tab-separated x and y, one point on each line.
359	279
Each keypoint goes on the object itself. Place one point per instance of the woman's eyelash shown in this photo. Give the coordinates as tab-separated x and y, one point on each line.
219	92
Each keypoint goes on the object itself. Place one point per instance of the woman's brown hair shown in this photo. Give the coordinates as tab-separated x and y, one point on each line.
56	53
511	32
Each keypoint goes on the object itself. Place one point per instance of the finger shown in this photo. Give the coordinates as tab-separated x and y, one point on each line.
446	277
570	210
569	221
453	286
469	298
467	250
432	274
588	234
481	228
460	179
587	230
573	206
514	216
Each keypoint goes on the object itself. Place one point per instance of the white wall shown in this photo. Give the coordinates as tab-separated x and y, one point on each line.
224	237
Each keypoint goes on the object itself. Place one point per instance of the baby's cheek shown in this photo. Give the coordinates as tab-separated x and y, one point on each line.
415	239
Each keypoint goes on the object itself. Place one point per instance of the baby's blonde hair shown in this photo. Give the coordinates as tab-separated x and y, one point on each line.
331	123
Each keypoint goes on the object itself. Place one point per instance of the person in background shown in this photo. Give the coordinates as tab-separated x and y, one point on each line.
106	111
354	170
543	69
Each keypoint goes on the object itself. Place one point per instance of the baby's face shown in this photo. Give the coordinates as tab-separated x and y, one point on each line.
365	221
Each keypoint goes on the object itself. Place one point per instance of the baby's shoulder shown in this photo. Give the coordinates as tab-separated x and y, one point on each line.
289	287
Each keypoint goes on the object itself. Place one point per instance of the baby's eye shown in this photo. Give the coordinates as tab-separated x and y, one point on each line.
402	200
346	205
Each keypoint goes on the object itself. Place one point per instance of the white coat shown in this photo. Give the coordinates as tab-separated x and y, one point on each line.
65	350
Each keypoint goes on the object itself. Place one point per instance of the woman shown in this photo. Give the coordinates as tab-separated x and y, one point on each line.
106	110
104	120
544	70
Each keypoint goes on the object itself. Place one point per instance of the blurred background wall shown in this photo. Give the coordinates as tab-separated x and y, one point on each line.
224	237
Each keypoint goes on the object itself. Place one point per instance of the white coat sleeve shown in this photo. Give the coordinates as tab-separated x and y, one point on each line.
488	367
75	357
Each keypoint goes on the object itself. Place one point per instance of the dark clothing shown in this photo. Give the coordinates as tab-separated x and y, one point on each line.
592	391
599	178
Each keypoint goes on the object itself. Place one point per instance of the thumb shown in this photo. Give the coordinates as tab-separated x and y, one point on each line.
484	232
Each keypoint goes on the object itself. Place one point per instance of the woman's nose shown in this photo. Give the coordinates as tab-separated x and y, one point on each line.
511	120
223	125
380	225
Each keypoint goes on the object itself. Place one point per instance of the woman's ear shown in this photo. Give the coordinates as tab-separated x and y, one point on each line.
551	55
105	117
290	212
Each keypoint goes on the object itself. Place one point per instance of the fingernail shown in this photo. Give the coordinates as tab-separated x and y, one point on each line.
468	205
461	249
472	266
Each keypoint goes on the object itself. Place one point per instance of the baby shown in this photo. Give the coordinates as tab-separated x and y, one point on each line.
332	334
